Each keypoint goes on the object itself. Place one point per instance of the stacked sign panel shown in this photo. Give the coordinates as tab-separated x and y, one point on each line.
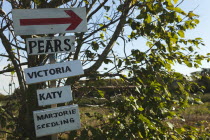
51	21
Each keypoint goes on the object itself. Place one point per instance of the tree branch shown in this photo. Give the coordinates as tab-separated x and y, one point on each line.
5	132
111	43
90	7
12	69
95	11
56	3
8	48
101	28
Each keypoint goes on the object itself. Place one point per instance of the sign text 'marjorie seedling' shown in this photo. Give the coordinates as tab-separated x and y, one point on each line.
56	120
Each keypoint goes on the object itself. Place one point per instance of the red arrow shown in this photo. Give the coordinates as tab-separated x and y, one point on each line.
74	20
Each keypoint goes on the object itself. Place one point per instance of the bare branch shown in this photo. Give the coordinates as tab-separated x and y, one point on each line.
5	132
95	11
112	41
8	48
90	6
56	3
3	55
12	69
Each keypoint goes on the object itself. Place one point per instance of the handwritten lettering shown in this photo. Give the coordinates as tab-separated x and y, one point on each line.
56	114
47	72
57	123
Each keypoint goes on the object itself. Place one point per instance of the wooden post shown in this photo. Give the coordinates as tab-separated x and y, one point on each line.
53	84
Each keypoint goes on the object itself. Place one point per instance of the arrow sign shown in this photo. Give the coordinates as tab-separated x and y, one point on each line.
74	20
49	21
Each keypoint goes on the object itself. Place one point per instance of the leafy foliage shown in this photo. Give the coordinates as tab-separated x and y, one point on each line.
143	113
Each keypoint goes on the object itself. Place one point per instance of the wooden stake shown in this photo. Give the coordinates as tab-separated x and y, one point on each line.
53	84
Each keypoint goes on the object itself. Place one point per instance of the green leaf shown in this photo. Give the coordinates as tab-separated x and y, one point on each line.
192	137
180	130
191	49
191	14
170	8
119	63
101	93
181	33
170	125
86	2
175	1
38	2
12	72
149	44
168	66
148	18
189	64
107	17
179	10
140	108
106	61
3	121
147	121
142	15
95	45
102	36
107	8
196	21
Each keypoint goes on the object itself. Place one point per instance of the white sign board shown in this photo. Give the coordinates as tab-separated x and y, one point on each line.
56	120
49	21
50	45
53	71
54	95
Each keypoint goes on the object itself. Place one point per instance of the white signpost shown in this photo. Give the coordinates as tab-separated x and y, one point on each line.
49	21
52	21
56	120
53	71
50	45
50	96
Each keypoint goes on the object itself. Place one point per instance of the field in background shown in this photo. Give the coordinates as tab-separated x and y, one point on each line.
197	115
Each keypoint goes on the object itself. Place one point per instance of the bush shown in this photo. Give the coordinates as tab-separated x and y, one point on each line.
205	97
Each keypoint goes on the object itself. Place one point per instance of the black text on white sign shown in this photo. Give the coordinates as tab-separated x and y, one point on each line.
56	120
50	45
53	71
54	95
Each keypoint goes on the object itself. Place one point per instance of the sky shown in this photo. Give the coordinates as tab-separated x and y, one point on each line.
200	7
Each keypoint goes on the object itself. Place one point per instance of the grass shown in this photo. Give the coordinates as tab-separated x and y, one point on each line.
205	97
89	115
197	116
